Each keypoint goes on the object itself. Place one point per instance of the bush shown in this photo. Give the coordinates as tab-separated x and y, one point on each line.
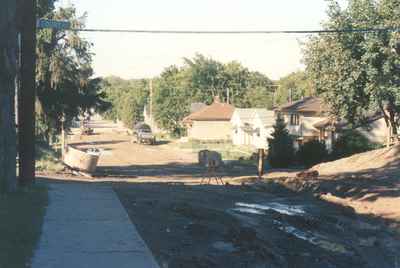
351	142
280	147
312	153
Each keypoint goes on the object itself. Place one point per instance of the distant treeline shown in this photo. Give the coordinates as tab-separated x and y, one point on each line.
198	80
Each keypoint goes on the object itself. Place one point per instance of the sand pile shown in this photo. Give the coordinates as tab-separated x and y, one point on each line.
386	159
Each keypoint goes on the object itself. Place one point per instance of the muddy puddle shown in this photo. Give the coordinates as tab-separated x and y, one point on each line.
311	237
275	206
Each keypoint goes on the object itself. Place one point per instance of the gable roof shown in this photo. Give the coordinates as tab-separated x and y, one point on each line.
196	106
247	116
267	117
244	115
308	104
215	112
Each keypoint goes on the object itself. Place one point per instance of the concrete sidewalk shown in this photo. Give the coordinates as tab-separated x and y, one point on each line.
86	226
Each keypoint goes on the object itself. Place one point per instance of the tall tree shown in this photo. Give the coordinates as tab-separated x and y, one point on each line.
358	73
172	100
8	52
280	146
127	98
65	87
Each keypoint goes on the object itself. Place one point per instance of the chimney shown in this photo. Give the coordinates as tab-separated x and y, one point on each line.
217	99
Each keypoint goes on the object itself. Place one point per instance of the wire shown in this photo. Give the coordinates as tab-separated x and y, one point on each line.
365	30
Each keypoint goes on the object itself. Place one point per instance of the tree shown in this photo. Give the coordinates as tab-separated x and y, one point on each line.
358	73
280	146
127	98
199	80
172	100
293	87
8	44
203	77
65	87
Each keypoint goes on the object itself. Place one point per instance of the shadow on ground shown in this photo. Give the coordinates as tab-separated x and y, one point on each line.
173	169
366	185
246	226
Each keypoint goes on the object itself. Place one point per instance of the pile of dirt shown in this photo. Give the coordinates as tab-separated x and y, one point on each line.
367	182
387	159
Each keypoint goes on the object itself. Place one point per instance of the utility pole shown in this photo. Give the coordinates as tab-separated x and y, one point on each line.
27	98
8	68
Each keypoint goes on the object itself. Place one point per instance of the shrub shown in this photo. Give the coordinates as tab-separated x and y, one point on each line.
351	142
311	153
280	146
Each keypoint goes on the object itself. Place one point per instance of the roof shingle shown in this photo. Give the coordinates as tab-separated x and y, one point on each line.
214	112
308	104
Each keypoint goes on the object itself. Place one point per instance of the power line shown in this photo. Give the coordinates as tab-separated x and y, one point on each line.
364	30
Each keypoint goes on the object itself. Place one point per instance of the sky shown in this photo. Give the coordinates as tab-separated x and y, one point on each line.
146	55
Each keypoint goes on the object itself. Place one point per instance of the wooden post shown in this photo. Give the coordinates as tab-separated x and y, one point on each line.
26	106
63	140
261	155
8	68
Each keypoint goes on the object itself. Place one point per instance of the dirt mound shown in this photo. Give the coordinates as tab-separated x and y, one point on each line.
386	159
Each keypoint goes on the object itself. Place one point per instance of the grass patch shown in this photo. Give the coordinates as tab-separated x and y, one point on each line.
226	149
47	158
21	218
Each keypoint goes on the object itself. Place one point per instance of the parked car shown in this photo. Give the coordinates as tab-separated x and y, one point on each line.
142	134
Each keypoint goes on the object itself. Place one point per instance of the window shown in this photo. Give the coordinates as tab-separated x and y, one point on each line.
294	119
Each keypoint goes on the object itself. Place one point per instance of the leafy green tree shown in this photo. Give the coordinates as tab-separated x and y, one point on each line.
280	146
358	73
203	77
127	98
172	101
65	87
206	78
293	87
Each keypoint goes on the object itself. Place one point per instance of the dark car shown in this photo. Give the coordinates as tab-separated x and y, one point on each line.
142	134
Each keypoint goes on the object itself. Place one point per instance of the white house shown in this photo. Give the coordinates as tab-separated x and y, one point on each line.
241	122
263	121
252	127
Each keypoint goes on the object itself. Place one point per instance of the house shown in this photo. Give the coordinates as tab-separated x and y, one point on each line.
211	122
309	119
301	117
252	127
374	129
263	121
196	106
242	129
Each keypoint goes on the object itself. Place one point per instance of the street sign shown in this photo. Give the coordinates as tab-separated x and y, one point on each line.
53	24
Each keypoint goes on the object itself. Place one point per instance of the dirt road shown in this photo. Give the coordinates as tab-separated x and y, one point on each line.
121	158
